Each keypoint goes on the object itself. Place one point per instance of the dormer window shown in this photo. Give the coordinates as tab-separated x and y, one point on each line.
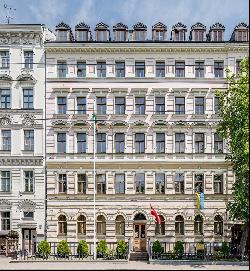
159	31
64	32
120	32
241	33
82	32
102	32
198	32
62	35
198	35
179	35
140	32
178	32
216	32
217	35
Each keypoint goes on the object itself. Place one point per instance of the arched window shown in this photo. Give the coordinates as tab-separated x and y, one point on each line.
179	225
119	225
62	225
140	216
198	225
218	225
160	228
81	225
101	225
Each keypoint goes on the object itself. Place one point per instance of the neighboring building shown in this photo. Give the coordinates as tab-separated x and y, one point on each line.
22	102
156	140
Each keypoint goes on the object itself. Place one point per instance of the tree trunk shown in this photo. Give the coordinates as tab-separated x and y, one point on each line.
243	240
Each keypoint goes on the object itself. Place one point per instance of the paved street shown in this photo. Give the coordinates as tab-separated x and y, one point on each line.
6	265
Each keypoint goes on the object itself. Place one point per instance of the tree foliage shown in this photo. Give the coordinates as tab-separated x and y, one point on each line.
234	126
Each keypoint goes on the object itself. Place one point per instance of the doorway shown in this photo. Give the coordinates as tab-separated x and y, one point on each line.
139	233
29	240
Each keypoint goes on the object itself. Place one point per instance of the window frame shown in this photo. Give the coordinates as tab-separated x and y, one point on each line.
6	181
140	183
81	183
5	98
120	184
140	145
29	181
160	184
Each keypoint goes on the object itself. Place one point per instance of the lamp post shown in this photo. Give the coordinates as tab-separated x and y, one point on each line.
94	119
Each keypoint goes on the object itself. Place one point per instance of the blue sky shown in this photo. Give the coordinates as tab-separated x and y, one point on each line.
51	12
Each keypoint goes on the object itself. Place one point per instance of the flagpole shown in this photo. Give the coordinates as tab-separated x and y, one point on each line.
94	118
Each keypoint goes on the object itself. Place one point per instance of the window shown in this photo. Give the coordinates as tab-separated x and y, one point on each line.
160	69
101	35
81	69
101	105
28	99
120	69
81	105
120	35
28	60
218	225
28	215
120	184
28	181
179	183
160	183
139	183
198	225
159	35
140	105
199	69
139	143
160	105
179	69
62	225
120	104
62	35
199	142
61	105
81	225
216	105
101	69
82	35
198	35
179	225
218	143
101	183
101	225
160	142
160	228
140	69
62	69
5	221
119	225
199	106
5	181
101	143
139	35
218	183
198	183
5	98
119	142
179	35
28	140
61	142
218	68
81	142
5	60
242	35
81	183
179	105
217	35
179	143
237	70
6	140
62	183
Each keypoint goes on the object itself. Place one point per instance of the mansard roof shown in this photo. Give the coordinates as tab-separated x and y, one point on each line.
120	26
241	26
140	25
82	26
159	25
198	25
179	25
101	25
63	26
217	26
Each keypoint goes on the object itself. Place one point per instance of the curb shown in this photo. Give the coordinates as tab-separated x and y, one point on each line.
169	262
68	261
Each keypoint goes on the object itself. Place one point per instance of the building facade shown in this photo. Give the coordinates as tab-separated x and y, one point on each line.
22	98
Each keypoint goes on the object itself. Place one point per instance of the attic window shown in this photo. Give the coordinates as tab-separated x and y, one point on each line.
217	35
62	35
241	35
120	35
159	35
198	35
82	35
101	35
139	35
179	35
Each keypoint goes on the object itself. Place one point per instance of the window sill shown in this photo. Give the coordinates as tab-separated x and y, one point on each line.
30	151
6	192
27	193
27	219
5	151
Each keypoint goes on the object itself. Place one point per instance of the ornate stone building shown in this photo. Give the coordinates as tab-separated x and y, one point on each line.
156	140
22	102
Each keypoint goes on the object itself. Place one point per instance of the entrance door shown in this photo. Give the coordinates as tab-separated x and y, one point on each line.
140	237
29	240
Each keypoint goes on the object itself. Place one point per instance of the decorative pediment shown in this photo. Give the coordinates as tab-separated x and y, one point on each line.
59	123
78	123
159	123
180	123
198	25
101	26
217	26
26	78
5	120
139	26
26	205
28	120
241	26
120	26
82	26
119	123
102	123
159	25
200	123
179	26
63	26
5	202
140	123
5	77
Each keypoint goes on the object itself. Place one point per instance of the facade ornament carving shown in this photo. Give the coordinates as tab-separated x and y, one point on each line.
59	123
20	38
28	120
5	120
9	161
27	205
5	77
5	202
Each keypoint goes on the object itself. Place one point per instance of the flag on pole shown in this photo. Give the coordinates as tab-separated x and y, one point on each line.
198	200
96	124
154	213
202	200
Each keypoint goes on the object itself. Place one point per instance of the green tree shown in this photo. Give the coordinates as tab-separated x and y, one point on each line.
234	126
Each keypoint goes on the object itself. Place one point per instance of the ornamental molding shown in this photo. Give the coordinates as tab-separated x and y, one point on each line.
241	26
217	26
60	123
11	38
5	202
139	25
28	120
159	25
26	205
82	26
12	161
120	26
5	120
198	25
5	77
26	77
178	26
63	26
101	26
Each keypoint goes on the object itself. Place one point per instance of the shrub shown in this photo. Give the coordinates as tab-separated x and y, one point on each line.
121	248
225	249
63	249
157	248
179	249
218	255
83	249
44	249
102	248
110	254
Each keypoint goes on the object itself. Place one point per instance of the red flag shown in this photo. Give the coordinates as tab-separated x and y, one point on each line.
154	213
